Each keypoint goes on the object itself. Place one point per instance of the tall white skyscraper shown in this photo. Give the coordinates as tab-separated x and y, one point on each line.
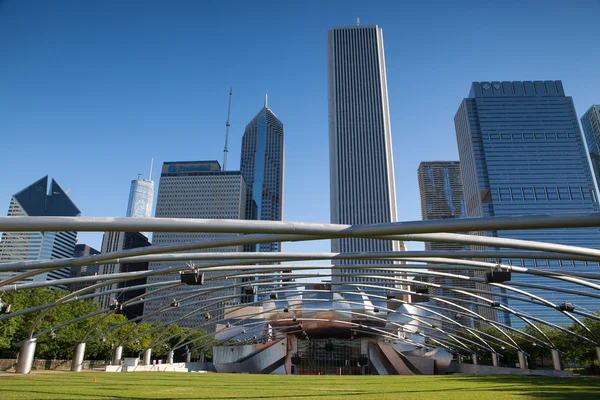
361	166
195	189
141	198
39	199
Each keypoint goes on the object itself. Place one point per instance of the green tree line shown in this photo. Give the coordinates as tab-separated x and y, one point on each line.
61	344
574	349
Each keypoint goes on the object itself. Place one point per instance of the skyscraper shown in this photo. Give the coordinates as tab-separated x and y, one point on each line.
36	200
521	152
196	189
141	197
261	165
117	241
591	128
83	250
441	189
361	166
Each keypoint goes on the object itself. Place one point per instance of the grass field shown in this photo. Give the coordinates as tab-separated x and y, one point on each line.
165	385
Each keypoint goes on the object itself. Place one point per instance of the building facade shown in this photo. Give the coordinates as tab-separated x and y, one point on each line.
361	166
196	189
441	191
83	250
117	241
261	165
521	152
590	121
141	199
39	199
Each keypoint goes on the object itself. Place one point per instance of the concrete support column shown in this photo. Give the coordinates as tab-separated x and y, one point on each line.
494	359
117	355
474	358
170	357
522	360
202	357
147	357
77	363
26	355
598	354
557	360
188	357
461	359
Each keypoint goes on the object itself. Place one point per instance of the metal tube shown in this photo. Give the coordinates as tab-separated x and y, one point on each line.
26	355
147	357
557	360
77	364
494	359
117	355
104	224
522	360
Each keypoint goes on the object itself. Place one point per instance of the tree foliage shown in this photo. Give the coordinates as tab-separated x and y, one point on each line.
60	343
573	348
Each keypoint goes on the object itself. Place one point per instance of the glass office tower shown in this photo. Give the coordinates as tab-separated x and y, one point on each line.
261	165
521	152
39	199
361	166
591	128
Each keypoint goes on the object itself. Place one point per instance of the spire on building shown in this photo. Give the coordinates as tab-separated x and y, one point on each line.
266	100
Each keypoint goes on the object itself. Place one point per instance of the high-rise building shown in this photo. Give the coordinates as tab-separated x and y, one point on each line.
441	189
36	200
261	165
361	166
83	250
521	152
117	241
141	198
196	189
591	128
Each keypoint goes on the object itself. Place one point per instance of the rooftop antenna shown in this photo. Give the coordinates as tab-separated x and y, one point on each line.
139	177
357	21
151	165
225	151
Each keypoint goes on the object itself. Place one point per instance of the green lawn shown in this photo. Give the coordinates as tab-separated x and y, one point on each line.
166	385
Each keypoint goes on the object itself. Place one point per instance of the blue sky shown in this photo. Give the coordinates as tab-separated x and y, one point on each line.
90	91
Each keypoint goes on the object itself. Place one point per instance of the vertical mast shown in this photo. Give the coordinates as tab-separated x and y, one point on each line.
225	151
151	165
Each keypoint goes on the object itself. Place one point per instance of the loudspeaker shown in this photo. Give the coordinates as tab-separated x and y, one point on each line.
421	289
497	276
192	278
566	306
248	290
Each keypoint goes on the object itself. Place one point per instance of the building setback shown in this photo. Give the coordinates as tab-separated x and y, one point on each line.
39	199
521	152
196	189
361	165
